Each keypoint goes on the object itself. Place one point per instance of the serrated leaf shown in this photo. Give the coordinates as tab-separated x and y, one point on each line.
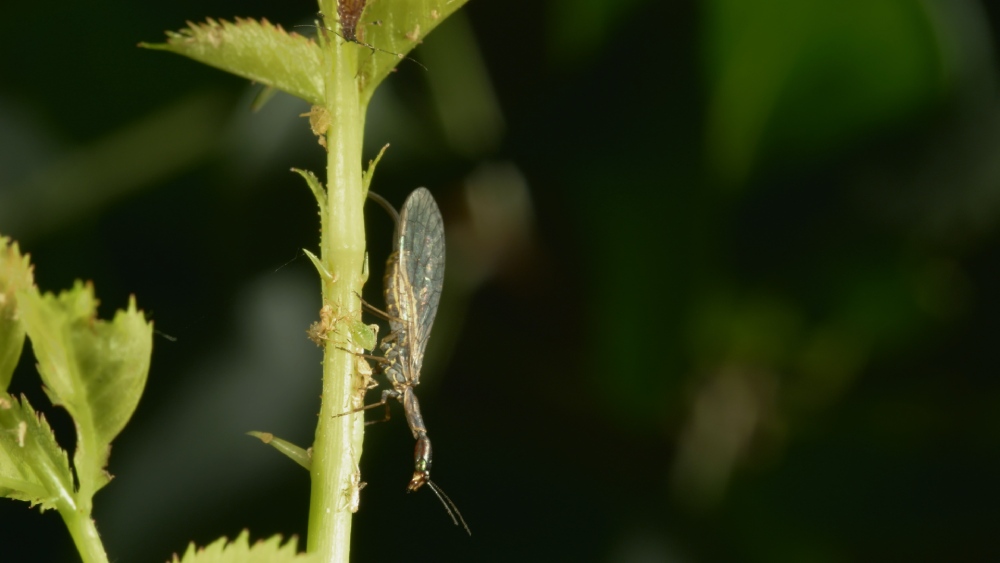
257	50
266	53
33	467
394	28
366	176
316	187
95	369
15	275
295	453
240	551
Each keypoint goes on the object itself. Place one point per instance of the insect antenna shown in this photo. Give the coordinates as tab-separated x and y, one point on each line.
449	506
387	206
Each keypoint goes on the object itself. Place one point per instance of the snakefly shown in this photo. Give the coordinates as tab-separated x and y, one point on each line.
414	276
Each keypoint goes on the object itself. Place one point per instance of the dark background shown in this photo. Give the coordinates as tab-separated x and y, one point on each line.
722	277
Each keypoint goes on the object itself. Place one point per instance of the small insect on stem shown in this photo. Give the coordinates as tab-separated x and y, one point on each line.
349	12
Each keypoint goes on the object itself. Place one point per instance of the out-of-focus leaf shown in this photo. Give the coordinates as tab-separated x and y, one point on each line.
87	180
33	467
95	369
579	27
257	50
804	78
263	96
466	102
240	551
15	275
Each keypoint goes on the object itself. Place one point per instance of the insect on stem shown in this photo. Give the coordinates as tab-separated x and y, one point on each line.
412	287
349	13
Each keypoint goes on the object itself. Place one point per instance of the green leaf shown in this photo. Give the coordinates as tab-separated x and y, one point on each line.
325	275
15	275
293	452
33	467
266	53
393	28
95	369
240	551
316	187
257	50
366	176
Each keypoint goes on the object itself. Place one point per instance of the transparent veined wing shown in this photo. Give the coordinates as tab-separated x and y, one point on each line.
420	270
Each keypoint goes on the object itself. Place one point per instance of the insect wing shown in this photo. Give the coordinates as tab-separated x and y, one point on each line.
421	263
398	301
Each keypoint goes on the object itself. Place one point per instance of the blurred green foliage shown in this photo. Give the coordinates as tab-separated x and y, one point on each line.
746	314
802	80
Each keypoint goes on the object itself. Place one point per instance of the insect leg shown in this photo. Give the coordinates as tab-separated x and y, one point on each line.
384	401
379	359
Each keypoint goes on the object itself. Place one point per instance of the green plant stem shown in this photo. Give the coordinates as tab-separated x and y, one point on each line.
75	511
337	447
84	532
